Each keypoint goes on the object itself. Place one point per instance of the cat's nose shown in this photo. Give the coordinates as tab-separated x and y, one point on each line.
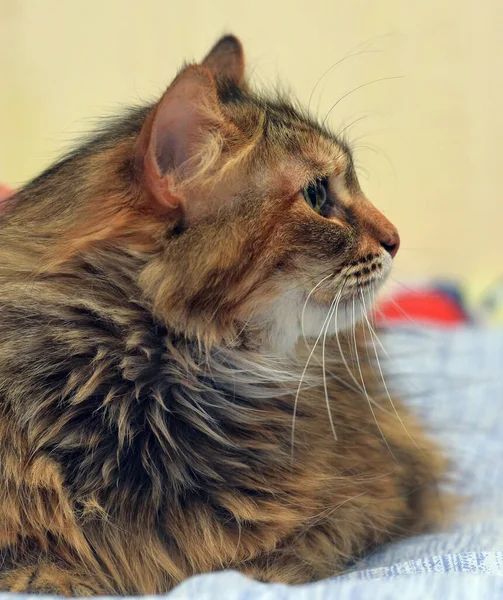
380	229
391	242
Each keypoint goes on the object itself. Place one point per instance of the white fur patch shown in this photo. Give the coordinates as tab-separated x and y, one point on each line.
284	324
290	317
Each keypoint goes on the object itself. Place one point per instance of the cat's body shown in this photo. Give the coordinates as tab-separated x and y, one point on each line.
150	425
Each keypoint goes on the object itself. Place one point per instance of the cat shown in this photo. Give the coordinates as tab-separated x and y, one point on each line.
162	411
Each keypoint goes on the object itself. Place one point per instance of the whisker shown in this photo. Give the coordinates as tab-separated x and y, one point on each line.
365	390
305	305
351	53
325	386
347	319
366	344
339	133
329	271
404	313
336	64
327	512
343	358
359	87
382	374
296	402
374	305
370	326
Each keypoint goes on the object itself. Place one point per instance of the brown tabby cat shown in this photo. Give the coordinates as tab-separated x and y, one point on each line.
155	418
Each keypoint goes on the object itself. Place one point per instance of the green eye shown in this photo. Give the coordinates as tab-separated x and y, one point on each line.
316	194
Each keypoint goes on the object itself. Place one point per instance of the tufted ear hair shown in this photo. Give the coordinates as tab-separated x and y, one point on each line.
175	131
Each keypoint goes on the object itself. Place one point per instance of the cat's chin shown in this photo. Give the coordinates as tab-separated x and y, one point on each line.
292	318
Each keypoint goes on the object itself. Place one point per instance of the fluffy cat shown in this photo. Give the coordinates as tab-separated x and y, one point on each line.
157	419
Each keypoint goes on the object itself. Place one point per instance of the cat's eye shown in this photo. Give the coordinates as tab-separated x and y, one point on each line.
316	194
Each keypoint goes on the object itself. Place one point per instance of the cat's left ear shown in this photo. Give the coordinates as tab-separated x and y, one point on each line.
175	134
226	60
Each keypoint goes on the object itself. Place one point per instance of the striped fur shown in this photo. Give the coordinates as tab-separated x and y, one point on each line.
151	290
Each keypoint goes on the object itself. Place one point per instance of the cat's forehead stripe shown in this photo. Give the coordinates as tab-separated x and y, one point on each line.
279	117
284	125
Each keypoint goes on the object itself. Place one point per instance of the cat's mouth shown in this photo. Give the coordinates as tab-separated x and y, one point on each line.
341	299
366	274
336	302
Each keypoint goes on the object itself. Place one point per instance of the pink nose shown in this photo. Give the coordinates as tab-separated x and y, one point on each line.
391	243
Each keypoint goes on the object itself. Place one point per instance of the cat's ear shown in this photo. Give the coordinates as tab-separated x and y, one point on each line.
175	132
226	60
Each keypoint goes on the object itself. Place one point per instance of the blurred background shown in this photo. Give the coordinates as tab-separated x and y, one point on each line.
417	86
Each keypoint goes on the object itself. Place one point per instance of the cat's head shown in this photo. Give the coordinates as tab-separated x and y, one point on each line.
246	211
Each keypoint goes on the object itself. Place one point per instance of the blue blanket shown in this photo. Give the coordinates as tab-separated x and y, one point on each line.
454	381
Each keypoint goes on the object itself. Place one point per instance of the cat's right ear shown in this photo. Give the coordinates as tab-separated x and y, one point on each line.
175	132
226	60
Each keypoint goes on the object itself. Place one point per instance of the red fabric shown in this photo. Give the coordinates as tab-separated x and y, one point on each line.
422	306
5	192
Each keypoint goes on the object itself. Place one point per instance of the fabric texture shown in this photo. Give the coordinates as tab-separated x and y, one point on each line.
453	380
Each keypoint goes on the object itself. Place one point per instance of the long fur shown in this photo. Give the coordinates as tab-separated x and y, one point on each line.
148	378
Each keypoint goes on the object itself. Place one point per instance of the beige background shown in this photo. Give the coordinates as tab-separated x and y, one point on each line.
430	140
